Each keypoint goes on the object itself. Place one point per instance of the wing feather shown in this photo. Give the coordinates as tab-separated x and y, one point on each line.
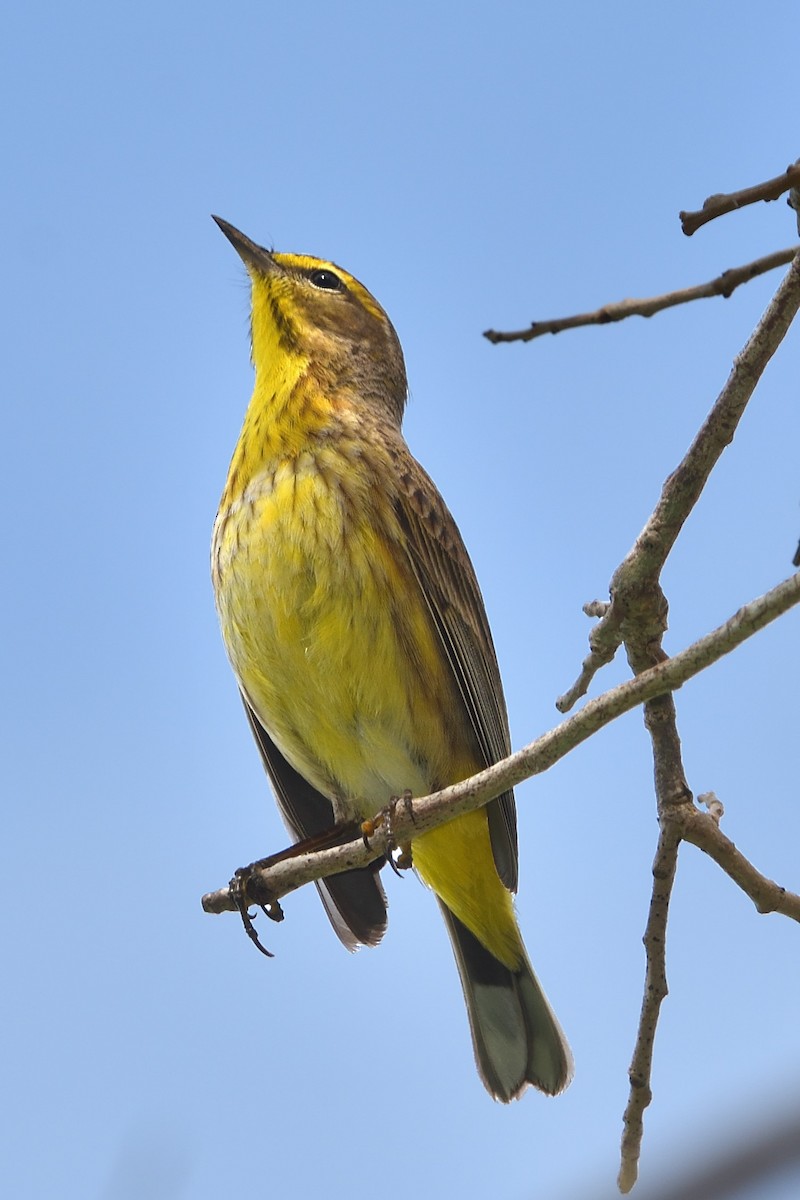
448	582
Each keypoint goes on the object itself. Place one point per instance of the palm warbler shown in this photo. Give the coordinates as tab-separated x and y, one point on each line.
355	626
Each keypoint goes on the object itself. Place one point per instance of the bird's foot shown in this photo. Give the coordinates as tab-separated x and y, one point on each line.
247	886
239	893
398	855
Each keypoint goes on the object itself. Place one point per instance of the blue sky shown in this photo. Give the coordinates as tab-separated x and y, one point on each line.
475	166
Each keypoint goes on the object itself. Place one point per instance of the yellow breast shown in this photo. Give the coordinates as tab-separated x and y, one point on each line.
328	633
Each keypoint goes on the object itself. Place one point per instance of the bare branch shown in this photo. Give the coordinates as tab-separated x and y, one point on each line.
637	616
723	285
740	1161
655	991
632	596
718	205
683	822
679	820
672	795
430	811
702	831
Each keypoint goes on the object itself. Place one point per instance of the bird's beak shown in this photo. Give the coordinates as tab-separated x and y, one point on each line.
251	255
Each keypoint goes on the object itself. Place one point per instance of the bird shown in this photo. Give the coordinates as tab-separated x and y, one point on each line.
357	633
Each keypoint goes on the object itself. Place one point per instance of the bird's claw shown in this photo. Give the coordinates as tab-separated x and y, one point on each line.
270	908
398	856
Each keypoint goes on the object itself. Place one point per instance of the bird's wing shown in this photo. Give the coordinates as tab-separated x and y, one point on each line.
447	579
354	900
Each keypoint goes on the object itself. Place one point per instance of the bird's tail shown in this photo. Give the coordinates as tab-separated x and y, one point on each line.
515	1034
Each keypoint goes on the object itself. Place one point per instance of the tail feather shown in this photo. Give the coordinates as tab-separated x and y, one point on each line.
356	905
515	1035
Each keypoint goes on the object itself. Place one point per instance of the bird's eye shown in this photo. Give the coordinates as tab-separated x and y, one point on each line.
329	281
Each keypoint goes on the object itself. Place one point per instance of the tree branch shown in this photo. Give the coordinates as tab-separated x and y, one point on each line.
703	831
723	285
655	991
679	820
286	876
745	1163
718	205
633	601
637	616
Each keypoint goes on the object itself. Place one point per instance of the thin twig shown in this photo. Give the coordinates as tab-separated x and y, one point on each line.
655	991
633	582
680	820
723	285
737	1161
702	831
430	811
718	205
672	796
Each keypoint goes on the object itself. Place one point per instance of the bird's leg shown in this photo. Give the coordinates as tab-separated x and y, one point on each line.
385	818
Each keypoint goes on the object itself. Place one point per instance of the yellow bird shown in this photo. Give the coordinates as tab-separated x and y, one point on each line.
356	629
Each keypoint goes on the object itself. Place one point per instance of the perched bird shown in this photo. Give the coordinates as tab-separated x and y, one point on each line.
355	626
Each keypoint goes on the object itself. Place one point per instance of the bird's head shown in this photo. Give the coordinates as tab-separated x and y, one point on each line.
310	309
